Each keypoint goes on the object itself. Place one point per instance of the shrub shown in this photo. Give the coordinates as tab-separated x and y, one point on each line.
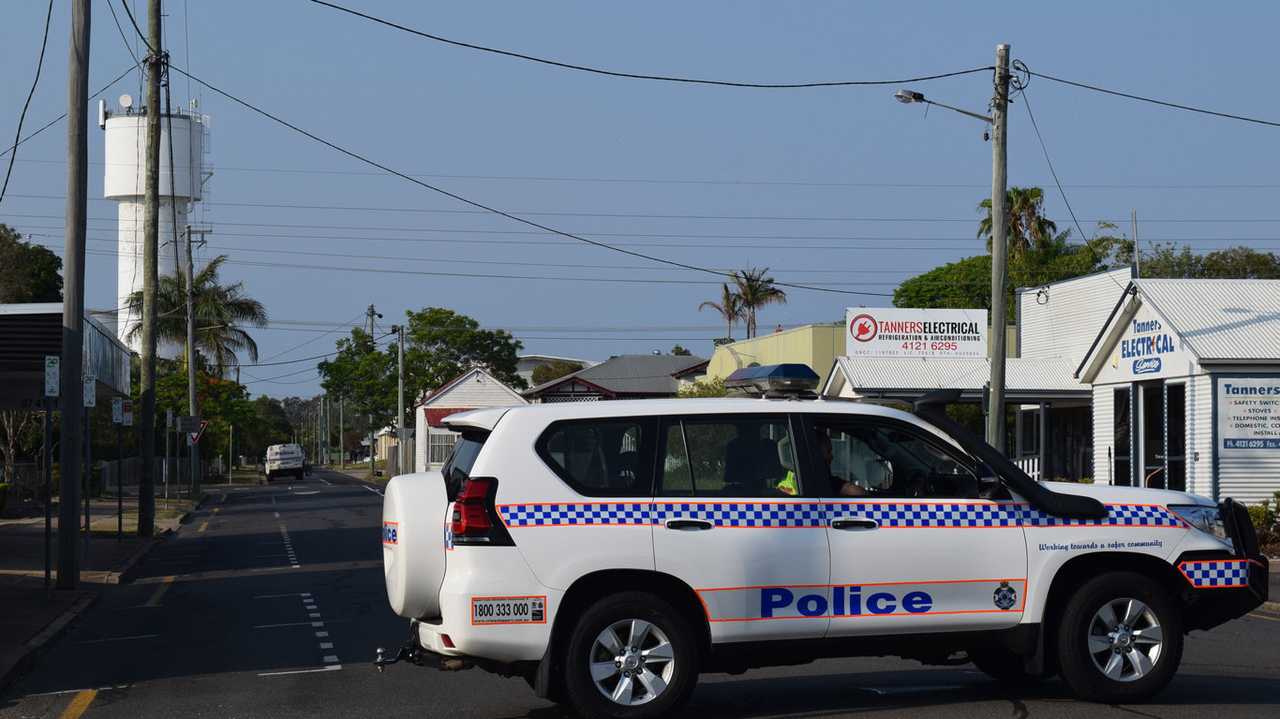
1262	516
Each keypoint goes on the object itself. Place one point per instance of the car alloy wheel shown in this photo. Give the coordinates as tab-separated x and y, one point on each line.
632	662
1125	639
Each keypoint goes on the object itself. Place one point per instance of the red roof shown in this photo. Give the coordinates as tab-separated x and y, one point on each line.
435	417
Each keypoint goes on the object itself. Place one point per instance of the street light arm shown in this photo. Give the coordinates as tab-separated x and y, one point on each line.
974	115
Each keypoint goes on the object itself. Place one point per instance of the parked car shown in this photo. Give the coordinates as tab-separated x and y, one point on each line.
284	460
611	552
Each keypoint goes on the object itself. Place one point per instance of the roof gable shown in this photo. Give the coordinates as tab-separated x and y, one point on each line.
459	392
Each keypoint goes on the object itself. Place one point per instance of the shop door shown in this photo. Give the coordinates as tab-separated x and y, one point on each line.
1163	435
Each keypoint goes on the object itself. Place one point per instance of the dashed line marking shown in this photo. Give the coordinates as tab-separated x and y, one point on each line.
326	645
317	624
203	526
118	639
165	583
314	615
330	659
79	704
285	624
321	635
325	481
330	668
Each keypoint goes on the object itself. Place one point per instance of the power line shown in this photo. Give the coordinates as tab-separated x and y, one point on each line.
63	116
337	328
1153	101
490	209
1026	102
141	35
123	36
640	76
22	117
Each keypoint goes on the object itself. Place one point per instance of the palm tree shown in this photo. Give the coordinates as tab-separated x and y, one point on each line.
755	289
1028	228
221	312
729	307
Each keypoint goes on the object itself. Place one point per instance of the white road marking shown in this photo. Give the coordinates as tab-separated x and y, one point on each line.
277	515
326	645
119	639
306	494
314	615
317	624
286	624
371	489
77	691
330	668
330	659
321	635
325	481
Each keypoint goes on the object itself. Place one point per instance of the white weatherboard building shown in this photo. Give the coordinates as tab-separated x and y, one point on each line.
473	389
1171	383
124	181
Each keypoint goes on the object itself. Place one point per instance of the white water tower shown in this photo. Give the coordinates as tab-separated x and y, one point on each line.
125	182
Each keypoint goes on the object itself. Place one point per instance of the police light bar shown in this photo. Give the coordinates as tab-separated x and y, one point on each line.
784	379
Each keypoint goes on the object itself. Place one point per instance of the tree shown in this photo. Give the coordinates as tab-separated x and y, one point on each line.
555	369
1027	226
221	314
1174	261
364	375
28	272
441	344
269	425
755	289
224	403
17	425
729	307
679	351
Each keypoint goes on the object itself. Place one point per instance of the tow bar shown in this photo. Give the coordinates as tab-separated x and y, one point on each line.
411	652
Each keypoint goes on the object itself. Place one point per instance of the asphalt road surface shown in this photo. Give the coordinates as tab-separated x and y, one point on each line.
271	604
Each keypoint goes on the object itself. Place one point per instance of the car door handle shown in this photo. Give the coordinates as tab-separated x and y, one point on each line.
855	525
688	525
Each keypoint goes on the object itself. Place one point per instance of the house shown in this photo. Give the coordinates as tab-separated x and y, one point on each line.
473	389
622	377
815	345
526	364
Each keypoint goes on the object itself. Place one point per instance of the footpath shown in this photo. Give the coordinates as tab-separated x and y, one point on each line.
32	615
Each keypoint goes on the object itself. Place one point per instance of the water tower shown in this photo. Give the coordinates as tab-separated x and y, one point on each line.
125	182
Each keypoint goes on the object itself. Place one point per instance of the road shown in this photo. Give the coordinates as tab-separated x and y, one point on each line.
270	603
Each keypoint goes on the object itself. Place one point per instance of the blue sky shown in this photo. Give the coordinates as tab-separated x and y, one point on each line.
526	137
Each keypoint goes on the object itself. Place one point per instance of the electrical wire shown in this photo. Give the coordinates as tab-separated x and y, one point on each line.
63	116
1153	101
1026	102
22	117
494	210
640	76
141	35
337	328
123	36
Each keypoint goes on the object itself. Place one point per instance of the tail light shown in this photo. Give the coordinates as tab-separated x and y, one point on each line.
475	519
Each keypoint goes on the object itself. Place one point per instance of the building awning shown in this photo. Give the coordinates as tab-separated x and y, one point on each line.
32	331
1027	381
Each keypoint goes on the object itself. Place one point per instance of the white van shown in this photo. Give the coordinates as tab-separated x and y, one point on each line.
610	552
284	460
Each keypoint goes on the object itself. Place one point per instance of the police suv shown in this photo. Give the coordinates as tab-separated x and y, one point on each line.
610	552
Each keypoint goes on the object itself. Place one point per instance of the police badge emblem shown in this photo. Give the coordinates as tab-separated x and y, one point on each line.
1005	596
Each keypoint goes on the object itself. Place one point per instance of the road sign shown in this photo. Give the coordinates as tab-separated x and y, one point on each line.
188	424
168	420
194	437
117	410
127	413
52	375
90	391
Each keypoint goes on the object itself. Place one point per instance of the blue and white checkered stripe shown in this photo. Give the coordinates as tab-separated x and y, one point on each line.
576	514
744	514
1118	515
1205	574
931	515
920	515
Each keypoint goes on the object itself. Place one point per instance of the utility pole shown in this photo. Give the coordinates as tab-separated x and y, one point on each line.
999	250
150	276
401	446
192	407
71	383
342	442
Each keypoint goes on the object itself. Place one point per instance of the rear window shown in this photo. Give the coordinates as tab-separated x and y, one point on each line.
601	457
457	468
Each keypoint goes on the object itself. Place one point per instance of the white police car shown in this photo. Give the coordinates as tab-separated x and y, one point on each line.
610	552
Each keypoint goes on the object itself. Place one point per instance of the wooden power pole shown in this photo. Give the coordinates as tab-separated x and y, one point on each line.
999	249
71	382
150	276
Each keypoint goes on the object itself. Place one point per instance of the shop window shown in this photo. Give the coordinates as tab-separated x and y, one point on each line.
1121	467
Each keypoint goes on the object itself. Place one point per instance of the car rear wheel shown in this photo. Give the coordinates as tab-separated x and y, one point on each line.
1120	639
630	656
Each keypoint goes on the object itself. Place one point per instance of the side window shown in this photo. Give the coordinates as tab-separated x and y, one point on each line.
599	457
730	457
888	460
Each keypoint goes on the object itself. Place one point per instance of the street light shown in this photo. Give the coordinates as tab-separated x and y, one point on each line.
998	122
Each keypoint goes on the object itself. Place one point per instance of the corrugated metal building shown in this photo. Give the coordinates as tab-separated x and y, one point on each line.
1186	387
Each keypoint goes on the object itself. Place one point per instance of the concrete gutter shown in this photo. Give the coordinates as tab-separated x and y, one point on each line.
15	666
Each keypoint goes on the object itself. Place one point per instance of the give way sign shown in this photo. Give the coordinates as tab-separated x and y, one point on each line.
193	438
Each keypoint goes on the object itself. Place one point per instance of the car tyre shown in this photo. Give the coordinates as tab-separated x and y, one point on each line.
631	655
1006	667
1119	638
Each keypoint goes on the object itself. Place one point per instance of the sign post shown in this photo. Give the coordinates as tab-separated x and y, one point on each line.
90	401
168	426
52	382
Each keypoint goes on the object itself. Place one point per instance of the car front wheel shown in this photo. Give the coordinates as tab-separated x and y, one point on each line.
631	656
1120	638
